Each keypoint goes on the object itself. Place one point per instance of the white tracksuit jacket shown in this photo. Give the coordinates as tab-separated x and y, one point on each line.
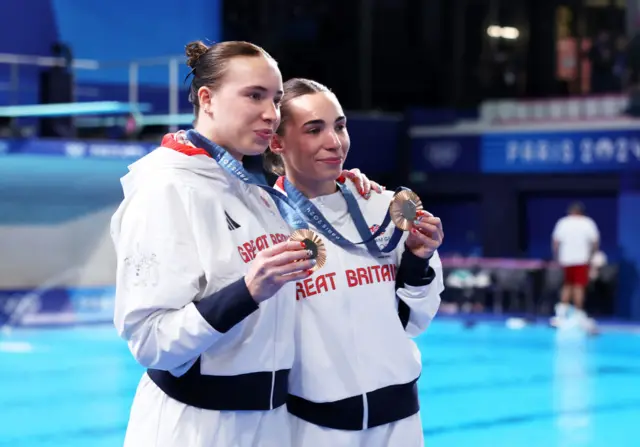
355	365
185	235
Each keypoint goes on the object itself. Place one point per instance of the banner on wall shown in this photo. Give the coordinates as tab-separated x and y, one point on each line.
57	306
447	153
561	151
76	149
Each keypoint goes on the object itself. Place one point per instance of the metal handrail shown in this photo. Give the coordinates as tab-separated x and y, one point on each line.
83	64
47	61
173	62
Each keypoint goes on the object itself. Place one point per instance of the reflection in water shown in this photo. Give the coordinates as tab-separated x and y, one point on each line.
572	387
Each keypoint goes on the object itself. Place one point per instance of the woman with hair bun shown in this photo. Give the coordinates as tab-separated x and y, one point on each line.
205	287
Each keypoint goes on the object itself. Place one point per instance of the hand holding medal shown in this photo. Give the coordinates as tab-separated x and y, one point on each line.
284	262
426	233
277	265
314	244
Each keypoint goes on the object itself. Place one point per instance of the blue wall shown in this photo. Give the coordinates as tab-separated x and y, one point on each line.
28	33
463	226
117	30
628	217
123	30
28	27
374	141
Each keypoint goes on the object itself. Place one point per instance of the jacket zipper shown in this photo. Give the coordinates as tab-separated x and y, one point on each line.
275	344
365	413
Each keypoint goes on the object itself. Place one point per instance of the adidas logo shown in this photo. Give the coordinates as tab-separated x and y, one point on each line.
231	224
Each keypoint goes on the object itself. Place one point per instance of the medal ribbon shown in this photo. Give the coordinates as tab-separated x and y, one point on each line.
286	208
315	216
294	203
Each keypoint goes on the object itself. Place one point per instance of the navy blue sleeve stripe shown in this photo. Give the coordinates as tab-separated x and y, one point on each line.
404	313
414	271
228	306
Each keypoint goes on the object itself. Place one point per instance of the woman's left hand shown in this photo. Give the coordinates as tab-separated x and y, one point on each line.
362	182
426	235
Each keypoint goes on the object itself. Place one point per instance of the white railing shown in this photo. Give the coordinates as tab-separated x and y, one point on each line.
133	66
553	110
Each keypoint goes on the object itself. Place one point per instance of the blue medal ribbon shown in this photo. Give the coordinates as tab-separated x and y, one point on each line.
234	167
294	203
315	216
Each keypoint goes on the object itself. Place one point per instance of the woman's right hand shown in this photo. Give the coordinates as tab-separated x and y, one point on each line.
274	267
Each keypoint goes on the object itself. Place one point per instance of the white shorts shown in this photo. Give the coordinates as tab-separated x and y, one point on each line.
157	420
403	433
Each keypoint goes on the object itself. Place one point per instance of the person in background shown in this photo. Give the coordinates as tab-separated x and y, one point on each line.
575	240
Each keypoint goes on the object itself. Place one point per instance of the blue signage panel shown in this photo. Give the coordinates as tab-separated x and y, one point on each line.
452	153
76	149
57	306
564	151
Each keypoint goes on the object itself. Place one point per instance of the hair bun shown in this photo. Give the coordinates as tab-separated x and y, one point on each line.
194	50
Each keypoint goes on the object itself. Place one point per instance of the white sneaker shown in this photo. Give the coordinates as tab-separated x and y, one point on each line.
562	310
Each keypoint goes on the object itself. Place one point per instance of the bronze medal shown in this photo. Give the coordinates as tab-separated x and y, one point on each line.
404	209
314	243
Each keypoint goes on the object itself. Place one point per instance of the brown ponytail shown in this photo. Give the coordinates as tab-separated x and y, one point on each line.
273	163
